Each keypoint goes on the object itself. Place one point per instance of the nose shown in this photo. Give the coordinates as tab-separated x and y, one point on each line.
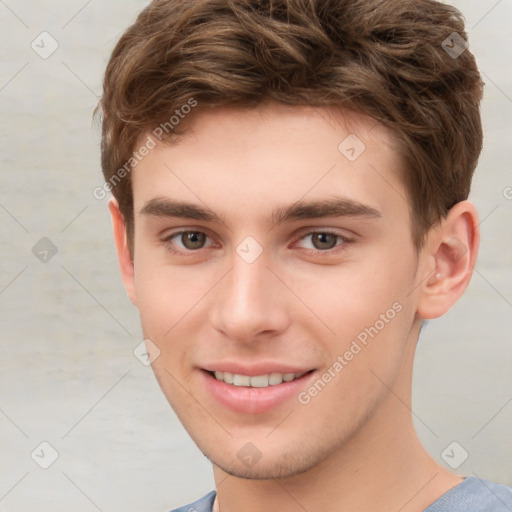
250	302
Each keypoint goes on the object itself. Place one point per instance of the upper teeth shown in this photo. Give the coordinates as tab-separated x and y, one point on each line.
258	381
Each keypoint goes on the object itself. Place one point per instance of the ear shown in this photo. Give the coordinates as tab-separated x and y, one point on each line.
123	251
451	249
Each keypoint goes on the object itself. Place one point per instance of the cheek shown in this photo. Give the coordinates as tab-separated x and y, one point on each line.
381	315
161	299
172	303
371	319
352	299
370	315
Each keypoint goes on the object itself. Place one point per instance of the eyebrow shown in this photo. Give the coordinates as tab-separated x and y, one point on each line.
333	207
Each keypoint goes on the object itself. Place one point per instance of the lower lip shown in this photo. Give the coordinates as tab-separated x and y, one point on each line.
253	400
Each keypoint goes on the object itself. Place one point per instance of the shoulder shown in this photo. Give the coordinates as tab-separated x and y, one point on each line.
204	504
474	495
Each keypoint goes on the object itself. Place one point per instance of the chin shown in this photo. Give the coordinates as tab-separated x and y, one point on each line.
272	466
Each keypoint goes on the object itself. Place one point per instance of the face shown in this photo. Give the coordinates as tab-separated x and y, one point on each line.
273	271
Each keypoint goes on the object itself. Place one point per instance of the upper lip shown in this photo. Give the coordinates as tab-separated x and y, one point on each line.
254	369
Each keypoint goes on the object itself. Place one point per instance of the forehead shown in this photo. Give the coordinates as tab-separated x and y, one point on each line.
252	158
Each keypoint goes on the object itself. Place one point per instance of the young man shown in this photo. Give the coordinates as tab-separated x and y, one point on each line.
291	182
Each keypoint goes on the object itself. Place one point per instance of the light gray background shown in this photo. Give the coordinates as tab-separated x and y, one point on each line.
67	372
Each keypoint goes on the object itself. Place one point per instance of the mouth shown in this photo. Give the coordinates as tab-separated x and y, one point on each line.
258	393
256	381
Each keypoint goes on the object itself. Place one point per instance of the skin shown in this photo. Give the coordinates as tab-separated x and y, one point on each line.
353	445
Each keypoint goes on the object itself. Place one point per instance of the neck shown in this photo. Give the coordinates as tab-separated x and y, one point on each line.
383	466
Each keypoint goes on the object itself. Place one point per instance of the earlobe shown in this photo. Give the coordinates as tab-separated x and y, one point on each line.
453	246
124	256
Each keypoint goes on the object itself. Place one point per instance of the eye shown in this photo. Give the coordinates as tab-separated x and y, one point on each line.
187	241
323	240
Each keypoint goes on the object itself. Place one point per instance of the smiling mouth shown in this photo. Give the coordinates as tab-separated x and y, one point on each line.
256	381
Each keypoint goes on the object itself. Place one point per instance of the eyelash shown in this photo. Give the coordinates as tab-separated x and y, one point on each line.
327	252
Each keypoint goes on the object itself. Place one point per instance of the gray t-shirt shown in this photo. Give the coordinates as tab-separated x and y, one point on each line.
471	495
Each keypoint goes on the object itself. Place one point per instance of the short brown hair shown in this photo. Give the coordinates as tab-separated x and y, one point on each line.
384	58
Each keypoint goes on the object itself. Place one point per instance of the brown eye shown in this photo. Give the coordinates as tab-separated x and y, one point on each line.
193	239
323	241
